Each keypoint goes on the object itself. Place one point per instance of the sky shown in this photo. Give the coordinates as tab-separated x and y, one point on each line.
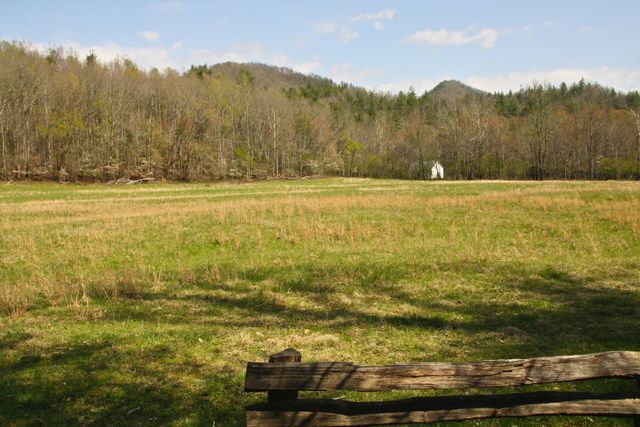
384	45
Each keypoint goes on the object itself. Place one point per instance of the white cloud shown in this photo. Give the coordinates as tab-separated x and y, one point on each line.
324	27
618	78
208	56
250	52
527	29
377	16
585	30
485	38
145	57
345	73
151	36
168	7
302	67
173	56
347	34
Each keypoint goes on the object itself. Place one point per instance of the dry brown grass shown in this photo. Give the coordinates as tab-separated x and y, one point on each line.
54	248
625	212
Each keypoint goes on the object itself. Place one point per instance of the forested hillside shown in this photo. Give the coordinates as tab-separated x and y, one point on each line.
68	118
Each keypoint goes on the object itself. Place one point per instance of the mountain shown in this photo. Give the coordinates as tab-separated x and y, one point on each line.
263	75
454	89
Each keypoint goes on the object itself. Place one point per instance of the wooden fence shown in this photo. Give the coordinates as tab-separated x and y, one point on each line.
285	375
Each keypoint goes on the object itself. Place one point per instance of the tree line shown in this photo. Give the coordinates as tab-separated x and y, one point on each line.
68	118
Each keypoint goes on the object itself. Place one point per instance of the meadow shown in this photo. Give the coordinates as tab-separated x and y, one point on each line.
140	305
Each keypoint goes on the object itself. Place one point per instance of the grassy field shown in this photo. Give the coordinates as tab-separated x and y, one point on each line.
140	305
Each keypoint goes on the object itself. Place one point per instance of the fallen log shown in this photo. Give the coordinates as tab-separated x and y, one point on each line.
127	181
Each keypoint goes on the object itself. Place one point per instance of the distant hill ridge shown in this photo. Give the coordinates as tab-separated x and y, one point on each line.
281	77
268	75
454	89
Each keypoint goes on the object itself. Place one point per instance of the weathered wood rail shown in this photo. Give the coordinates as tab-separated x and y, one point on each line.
285	375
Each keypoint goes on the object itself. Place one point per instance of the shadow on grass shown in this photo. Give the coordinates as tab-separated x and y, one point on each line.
102	384
558	311
86	384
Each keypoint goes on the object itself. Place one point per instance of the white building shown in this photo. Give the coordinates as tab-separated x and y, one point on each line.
437	171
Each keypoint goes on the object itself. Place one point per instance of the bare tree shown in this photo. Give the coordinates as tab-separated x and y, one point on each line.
636	116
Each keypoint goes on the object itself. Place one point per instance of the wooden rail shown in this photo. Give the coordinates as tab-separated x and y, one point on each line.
286	375
490	373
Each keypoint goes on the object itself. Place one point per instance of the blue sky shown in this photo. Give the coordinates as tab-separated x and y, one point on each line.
384	45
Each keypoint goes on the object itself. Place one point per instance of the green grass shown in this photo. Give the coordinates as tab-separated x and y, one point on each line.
141	305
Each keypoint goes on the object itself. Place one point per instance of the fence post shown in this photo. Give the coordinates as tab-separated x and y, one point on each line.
288	355
636	419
